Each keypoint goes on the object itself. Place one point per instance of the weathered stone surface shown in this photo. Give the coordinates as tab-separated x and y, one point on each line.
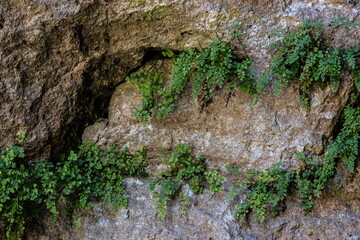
336	216
231	129
60	62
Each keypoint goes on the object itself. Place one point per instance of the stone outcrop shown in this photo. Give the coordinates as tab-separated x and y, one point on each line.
62	68
61	60
231	129
336	216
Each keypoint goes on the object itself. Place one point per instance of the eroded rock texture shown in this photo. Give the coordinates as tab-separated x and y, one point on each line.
231	129
336	216
62	61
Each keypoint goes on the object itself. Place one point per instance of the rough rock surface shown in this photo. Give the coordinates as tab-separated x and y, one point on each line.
230	129
61	61
336	216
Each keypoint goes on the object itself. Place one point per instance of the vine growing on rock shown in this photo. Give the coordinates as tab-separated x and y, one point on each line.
92	173
303	56
87	175
149	85
184	169
208	70
268	189
95	173
24	187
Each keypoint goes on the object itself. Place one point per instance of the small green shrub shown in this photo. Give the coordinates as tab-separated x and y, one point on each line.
303	56
90	174
208	70
93	173
215	67
184	169
24	188
311	179
267	189
350	58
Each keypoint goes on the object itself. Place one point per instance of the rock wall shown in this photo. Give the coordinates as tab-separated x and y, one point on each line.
336	216
62	67
61	60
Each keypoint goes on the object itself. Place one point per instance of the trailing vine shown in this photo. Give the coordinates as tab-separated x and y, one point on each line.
87	175
267	190
149	86
303	56
208	70
93	174
184	169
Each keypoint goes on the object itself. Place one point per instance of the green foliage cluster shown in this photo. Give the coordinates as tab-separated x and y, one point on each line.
217	66
22	188
208	69
350	58
179	78
149	85
268	189
86	175
346	145
304	56
93	173
311	179
300	56
184	169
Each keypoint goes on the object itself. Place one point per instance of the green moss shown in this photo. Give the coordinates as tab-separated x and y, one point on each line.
156	13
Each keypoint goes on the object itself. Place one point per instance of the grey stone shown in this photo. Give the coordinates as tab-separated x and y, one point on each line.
62	62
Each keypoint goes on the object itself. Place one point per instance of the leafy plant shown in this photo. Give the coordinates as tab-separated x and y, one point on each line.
350	58
93	173
179	78
149	85
346	145
24	188
168	53
303	56
235	31
268	189
89	174
312	178
184	169
217	66
342	21
209	69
